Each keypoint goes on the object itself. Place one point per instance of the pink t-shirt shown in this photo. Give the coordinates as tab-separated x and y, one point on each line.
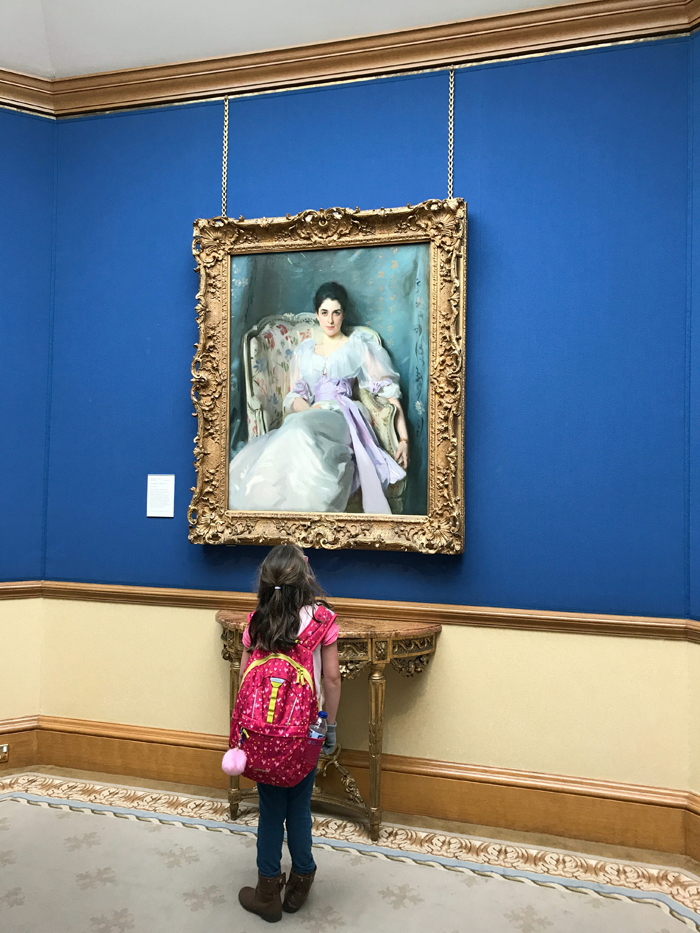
305	616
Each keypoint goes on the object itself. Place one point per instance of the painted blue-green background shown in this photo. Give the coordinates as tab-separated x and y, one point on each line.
387	290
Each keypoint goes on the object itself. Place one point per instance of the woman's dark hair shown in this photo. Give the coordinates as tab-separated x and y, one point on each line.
286	584
332	290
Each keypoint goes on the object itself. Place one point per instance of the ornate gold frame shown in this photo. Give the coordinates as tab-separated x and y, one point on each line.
443	224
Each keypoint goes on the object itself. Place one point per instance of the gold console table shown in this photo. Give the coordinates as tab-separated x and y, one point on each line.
362	645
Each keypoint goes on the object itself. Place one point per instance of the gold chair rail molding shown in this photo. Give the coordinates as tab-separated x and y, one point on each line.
541	30
608	812
579	623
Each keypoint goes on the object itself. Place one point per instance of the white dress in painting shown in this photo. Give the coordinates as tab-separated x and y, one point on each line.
319	457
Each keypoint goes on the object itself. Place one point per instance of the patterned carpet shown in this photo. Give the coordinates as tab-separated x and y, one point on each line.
79	857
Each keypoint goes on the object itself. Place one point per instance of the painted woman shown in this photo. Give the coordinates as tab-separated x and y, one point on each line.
326	449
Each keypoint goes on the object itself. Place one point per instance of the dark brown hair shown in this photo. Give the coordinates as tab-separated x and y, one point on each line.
286	584
333	290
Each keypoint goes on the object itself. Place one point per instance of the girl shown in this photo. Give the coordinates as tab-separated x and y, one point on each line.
288	596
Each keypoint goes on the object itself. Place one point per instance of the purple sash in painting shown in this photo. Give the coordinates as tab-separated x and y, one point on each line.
375	468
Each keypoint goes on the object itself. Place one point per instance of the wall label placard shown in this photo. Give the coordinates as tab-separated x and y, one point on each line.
160	496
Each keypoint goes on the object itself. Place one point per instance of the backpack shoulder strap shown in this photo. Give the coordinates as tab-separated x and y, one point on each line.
324	615
315	631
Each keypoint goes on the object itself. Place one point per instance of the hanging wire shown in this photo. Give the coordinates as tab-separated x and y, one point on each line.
451	136
224	170
450	146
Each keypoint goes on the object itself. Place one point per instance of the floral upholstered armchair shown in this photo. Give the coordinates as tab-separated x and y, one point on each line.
267	354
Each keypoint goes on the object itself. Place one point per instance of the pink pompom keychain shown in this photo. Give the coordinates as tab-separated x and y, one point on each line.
234	761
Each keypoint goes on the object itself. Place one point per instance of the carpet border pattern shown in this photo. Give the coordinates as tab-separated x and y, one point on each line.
512	860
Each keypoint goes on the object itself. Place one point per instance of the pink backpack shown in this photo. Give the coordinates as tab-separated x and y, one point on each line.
275	706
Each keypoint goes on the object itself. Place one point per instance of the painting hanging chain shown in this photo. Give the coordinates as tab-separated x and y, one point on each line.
450	146
451	135
420	512
224	170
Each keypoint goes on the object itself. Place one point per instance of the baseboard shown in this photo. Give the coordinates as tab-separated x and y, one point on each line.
607	812
147	734
692	832
21	736
112	748
531	620
23	724
604	812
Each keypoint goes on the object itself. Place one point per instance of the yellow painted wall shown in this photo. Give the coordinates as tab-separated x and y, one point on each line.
21	622
608	708
145	666
694	718
588	706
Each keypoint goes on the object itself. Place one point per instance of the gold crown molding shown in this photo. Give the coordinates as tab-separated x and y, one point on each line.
574	623
540	30
26	92
397	764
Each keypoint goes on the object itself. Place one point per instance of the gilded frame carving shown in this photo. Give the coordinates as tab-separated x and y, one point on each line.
442	224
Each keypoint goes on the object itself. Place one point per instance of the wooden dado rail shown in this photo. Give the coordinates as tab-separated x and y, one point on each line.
547	29
581	623
606	812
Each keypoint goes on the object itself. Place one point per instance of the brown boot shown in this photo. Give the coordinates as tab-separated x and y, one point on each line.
297	891
265	900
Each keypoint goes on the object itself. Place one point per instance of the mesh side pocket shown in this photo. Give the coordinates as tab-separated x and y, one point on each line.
312	749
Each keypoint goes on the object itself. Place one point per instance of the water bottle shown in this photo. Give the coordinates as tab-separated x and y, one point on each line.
320	727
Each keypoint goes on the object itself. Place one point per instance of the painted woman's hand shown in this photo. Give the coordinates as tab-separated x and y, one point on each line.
401	455
300	404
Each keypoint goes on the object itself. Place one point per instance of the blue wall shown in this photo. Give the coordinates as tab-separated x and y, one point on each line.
576	170
26	215
692	412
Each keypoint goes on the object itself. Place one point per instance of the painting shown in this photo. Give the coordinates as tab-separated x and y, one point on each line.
329	379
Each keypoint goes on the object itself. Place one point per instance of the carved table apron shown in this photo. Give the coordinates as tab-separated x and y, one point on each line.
361	645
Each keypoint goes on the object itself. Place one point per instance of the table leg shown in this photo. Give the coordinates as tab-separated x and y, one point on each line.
234	784
377	689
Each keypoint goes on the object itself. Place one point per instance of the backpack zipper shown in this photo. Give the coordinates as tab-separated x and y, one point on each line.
294	706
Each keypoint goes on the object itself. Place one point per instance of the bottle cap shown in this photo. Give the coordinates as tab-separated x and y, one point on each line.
323	715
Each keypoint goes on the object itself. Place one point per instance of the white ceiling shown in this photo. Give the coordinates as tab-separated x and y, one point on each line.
58	38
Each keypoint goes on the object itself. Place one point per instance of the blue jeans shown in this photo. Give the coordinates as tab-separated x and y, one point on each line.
290	805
